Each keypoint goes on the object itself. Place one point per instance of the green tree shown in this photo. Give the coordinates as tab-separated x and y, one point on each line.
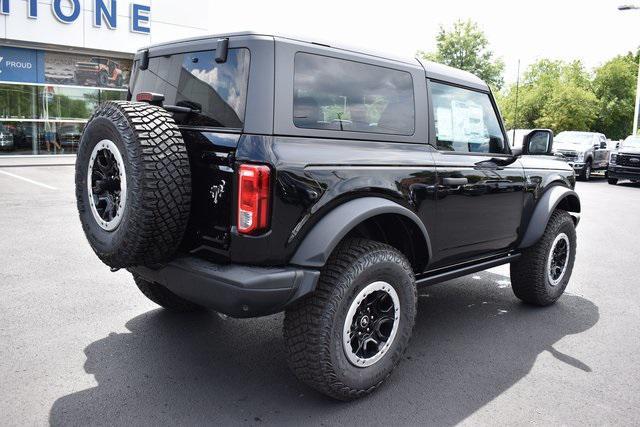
553	94
466	47
615	86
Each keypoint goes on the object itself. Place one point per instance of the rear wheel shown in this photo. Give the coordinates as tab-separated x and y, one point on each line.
349	335
542	272
164	297
612	181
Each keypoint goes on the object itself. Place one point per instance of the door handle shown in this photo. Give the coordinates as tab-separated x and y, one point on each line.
455	182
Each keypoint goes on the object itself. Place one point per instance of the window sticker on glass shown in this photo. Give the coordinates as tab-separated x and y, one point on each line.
465	120
444	123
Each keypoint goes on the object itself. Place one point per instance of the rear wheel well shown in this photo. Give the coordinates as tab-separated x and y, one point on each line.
393	229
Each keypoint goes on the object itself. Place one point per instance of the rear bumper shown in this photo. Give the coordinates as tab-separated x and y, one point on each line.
622	172
235	290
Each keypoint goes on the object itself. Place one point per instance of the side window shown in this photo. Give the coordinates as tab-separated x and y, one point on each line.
337	94
465	120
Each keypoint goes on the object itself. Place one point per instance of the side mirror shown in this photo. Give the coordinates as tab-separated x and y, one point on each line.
603	145
538	142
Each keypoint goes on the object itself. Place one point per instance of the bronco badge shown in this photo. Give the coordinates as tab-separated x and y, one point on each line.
217	191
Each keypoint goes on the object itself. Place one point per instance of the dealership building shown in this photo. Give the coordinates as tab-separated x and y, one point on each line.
60	58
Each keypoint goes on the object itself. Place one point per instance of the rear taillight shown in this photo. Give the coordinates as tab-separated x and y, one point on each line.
253	198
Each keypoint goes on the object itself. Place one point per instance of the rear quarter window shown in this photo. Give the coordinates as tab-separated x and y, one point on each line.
337	94
217	91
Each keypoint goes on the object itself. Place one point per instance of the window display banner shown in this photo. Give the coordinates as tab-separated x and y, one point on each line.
21	65
38	66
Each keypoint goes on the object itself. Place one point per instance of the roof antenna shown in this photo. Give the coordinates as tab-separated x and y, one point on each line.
515	116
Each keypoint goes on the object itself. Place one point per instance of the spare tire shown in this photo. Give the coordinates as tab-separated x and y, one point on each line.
133	184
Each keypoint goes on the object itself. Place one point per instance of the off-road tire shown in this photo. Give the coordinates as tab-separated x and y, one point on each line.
612	181
103	79
313	327
158	179
529	279
164	297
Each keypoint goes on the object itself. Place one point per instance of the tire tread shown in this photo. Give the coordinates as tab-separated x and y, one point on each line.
308	323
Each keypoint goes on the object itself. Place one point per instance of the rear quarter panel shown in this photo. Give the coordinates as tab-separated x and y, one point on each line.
313	175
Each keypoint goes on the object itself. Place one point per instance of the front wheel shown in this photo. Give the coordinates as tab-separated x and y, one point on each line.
349	335
542	272
612	181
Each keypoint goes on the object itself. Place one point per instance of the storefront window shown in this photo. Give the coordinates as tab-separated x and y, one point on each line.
18	101
59	102
46	103
112	95
50	137
52	120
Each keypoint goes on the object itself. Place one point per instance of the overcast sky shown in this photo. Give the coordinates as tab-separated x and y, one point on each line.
590	30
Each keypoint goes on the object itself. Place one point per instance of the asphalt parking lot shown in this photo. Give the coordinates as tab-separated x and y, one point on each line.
80	345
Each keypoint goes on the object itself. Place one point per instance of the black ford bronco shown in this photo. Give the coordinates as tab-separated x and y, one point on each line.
251	174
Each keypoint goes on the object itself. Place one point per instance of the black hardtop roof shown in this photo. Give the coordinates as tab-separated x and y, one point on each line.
432	70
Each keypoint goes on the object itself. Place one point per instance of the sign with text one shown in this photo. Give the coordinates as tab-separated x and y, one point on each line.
104	12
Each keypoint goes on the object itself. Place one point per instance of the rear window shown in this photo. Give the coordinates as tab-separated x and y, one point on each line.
337	94
197	81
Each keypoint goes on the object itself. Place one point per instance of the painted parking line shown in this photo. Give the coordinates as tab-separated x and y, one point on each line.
27	180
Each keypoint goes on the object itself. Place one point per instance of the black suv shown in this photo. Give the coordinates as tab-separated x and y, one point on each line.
253	174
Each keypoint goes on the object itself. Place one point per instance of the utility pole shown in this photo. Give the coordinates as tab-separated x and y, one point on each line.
515	115
635	110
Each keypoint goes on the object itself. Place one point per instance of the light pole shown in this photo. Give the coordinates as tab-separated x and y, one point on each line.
635	111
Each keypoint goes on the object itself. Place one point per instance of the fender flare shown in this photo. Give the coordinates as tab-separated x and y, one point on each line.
543	210
321	240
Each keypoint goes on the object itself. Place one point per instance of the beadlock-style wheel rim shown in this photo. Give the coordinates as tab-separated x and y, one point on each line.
107	185
371	324
558	259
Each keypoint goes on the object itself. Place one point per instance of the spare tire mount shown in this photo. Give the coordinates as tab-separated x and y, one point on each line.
107	184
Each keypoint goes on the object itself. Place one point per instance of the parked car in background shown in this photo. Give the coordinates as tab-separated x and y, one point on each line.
625	162
69	136
6	139
584	151
99	71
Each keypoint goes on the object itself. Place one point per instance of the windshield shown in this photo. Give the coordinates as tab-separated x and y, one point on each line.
575	138
632	142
